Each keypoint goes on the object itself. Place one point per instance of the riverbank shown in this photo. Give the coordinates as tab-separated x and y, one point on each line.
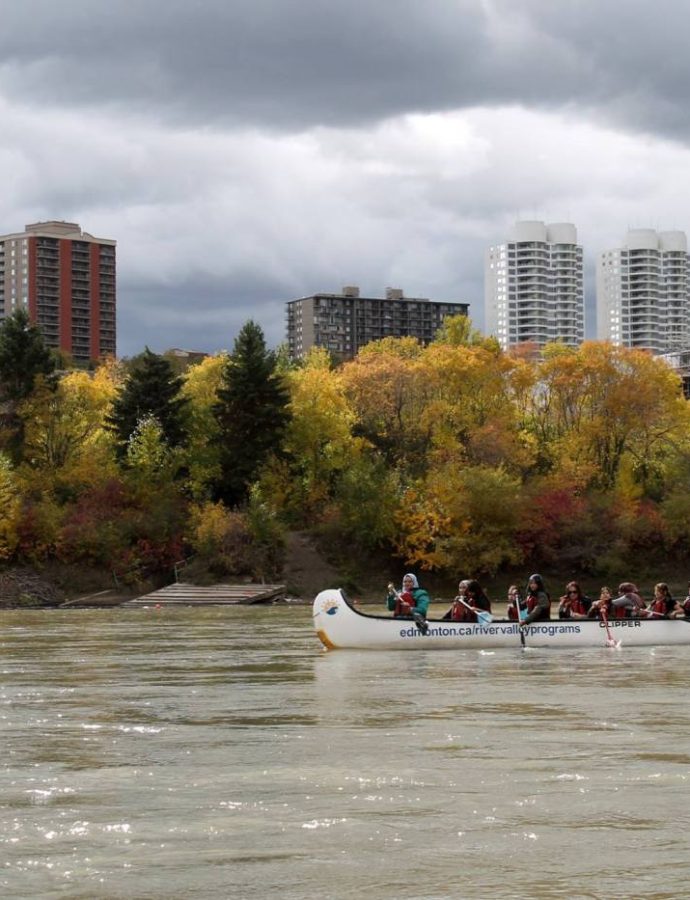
307	571
53	586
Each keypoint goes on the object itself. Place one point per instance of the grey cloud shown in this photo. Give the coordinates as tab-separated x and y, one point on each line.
288	66
406	210
229	213
199	313
263	61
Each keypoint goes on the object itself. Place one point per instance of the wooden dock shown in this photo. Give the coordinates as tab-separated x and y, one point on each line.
180	594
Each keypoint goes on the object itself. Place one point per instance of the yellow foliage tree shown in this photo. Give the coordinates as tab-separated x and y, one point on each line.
458	331
220	537
10	508
66	443
387	394
200	387
469	411
461	520
148	455
595	406
319	436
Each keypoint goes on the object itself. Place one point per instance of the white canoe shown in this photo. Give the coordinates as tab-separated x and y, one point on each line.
339	625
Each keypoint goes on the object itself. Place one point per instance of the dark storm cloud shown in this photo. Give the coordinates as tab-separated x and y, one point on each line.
263	62
198	312
290	65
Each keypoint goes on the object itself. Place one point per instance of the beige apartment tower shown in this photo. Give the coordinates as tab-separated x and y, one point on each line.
65	278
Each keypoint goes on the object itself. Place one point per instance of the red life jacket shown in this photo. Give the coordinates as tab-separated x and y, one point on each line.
578	607
658	608
460	613
405	597
621	612
532	603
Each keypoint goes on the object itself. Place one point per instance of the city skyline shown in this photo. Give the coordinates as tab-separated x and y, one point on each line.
243	155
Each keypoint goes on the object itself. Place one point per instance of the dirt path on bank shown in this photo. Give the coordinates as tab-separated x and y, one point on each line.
306	571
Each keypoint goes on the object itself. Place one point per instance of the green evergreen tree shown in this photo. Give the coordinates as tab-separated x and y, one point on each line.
151	389
23	357
251	412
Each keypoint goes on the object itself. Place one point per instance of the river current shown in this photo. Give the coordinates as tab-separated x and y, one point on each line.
221	753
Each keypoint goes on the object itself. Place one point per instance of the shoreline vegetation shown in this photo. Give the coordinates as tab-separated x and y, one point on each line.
452	460
305	575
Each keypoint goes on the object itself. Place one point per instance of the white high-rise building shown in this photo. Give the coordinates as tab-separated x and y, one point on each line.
643	292
533	287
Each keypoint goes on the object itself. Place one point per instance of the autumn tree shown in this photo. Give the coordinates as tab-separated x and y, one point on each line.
148	454
596	405
468	413
200	389
66	442
458	331
636	409
461	519
10	509
319	438
387	394
251	413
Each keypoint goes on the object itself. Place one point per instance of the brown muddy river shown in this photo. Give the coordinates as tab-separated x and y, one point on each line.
220	753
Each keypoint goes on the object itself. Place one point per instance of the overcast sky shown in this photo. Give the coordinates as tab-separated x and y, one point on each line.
247	152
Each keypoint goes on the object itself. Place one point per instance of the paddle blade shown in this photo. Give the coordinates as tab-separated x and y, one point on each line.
484	618
421	623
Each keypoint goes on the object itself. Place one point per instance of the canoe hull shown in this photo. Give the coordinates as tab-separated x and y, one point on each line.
339	626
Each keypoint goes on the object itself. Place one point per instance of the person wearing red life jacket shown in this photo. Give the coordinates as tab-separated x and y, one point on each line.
574	604
538	601
458	612
628	604
475	600
513	602
412	600
662	605
602	607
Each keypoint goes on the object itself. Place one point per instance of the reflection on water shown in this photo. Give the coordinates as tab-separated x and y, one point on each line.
221	753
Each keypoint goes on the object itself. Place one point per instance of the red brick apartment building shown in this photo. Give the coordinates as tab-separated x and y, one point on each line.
65	277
